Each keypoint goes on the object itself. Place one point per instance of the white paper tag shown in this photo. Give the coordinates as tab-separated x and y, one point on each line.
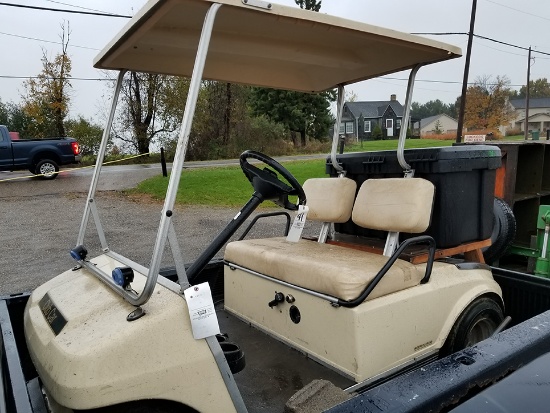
204	321
298	225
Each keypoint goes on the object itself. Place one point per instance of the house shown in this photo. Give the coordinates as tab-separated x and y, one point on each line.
435	125
539	114
360	118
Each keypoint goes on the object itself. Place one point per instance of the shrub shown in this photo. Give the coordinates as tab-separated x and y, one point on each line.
377	132
513	132
441	136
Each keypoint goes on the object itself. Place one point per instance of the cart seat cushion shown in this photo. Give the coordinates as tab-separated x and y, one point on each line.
394	204
330	199
329	269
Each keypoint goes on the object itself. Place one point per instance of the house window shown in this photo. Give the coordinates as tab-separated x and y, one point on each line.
349	127
341	131
367	126
398	123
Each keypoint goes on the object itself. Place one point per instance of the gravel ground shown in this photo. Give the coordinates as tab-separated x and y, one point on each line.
37	232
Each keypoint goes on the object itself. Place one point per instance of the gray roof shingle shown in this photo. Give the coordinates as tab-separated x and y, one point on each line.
374	109
533	103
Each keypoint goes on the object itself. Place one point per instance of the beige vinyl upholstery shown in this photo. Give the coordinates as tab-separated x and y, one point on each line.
394	204
329	269
330	199
400	204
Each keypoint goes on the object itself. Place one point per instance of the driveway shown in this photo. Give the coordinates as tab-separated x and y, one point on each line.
41	220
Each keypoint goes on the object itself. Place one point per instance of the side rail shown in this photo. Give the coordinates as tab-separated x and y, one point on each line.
20	390
449	382
267	215
422	239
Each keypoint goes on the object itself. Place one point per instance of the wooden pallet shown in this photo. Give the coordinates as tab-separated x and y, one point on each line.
417	254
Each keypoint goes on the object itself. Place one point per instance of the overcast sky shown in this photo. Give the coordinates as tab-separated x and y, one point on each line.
24	33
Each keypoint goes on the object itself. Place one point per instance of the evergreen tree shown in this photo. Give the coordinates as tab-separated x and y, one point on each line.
302	113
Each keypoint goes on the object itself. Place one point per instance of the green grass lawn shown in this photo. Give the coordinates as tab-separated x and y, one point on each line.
385	145
228	187
221	186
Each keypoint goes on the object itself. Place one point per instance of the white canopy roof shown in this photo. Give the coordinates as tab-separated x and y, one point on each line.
280	47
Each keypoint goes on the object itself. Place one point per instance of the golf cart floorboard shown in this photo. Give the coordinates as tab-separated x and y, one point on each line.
274	371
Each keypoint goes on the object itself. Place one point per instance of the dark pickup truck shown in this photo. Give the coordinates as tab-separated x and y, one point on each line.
41	157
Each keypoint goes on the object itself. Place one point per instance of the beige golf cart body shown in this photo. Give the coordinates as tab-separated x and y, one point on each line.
87	352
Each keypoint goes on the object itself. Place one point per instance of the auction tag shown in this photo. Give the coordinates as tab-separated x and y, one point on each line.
204	321
298	225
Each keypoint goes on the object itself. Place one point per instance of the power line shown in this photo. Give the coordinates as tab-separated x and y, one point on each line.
443	81
89	13
56	78
78	7
518	10
481	37
46	41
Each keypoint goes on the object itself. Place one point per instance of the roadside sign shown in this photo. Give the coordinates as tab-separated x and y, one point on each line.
474	138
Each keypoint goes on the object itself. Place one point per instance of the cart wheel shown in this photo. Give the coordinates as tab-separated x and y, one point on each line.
476	323
504	231
143	406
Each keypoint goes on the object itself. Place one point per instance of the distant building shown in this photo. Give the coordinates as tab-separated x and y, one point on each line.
434	125
539	114
360	118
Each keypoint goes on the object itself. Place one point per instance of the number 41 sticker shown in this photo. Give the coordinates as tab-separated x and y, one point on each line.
298	225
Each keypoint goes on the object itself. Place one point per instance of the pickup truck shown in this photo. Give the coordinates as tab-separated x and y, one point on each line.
42	157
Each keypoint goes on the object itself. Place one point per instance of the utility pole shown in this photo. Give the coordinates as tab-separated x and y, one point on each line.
466	72
527	96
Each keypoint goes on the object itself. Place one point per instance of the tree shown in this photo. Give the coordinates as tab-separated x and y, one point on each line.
377	132
351	96
14	117
86	133
438	128
47	96
152	105
487	103
539	88
309	4
303	113
432	108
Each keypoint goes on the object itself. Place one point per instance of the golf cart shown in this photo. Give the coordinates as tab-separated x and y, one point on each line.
111	335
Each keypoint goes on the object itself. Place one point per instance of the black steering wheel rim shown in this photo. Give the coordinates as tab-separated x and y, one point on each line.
252	172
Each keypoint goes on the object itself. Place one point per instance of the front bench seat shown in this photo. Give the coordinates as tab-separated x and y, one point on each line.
391	204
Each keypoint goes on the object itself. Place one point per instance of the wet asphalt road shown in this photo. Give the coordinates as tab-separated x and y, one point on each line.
40	220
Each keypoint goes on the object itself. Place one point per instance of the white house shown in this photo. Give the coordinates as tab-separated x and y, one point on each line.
539	114
436	124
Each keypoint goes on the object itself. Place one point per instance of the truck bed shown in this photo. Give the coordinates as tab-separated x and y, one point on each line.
274	372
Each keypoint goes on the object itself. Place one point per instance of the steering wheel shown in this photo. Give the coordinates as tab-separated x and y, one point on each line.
266	182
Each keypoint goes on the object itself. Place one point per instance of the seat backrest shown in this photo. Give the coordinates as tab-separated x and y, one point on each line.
330	199
394	204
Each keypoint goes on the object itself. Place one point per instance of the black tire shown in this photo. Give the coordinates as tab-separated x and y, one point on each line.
476	323
504	231
47	169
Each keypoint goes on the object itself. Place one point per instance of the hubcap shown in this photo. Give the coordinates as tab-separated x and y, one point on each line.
47	169
482	329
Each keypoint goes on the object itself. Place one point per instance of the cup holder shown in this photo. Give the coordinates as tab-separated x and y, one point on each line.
234	356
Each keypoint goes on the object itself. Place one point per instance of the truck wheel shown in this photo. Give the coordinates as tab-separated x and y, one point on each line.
504	231
47	169
476	323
